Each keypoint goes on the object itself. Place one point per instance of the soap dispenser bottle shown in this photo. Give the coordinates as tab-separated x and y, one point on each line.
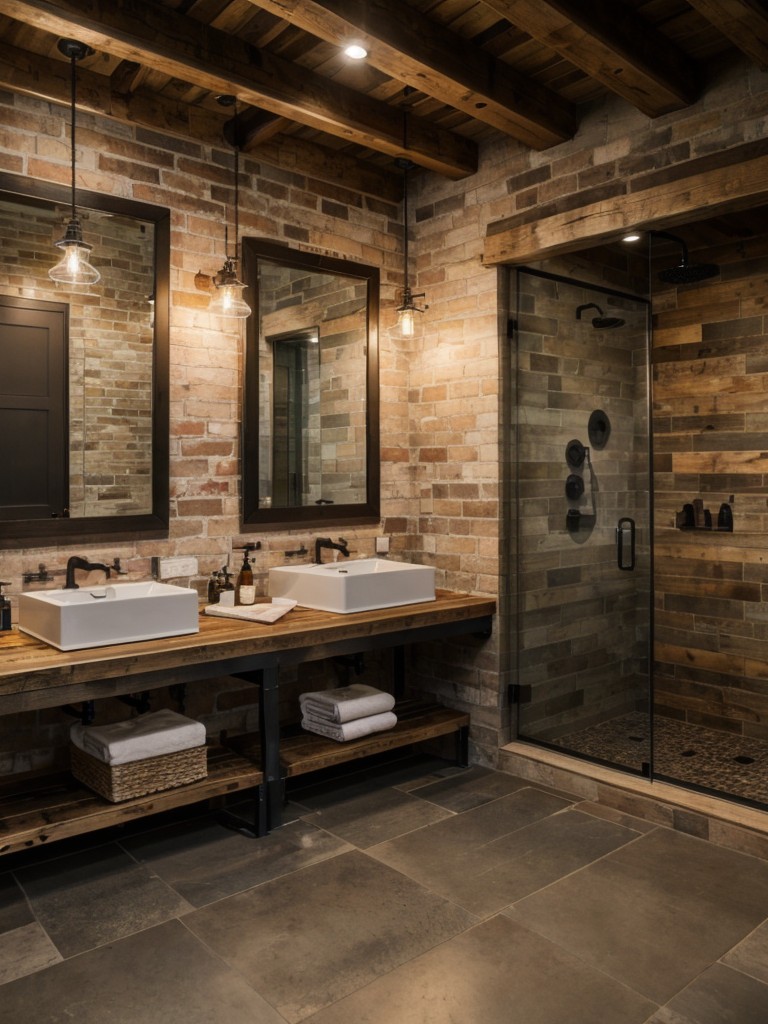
5	609
245	591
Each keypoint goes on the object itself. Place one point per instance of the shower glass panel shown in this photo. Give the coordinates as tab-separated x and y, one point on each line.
583	519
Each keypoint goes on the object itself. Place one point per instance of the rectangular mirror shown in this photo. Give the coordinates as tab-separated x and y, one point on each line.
84	389
311	418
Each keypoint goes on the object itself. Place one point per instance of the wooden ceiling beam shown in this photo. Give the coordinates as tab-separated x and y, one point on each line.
709	193
744	22
181	47
613	46
32	75
411	48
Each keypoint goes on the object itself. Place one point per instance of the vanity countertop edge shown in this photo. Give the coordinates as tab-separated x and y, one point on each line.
27	664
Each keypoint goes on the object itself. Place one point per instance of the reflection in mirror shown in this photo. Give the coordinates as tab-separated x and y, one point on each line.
83	398
310	445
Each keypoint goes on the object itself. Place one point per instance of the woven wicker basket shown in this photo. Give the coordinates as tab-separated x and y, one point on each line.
137	778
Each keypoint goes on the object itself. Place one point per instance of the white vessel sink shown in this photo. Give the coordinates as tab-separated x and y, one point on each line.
354	586
97	616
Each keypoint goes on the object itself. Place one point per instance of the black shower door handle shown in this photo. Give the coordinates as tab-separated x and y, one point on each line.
625	543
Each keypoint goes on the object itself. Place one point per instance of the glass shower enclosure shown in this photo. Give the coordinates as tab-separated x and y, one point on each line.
582	552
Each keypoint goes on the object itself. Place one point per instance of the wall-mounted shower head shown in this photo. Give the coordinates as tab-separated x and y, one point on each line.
684	272
601	322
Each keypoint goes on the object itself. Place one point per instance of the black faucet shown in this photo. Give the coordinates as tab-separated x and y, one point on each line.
76	562
326	542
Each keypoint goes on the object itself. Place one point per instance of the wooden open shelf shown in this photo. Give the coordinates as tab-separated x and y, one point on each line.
37	809
306	752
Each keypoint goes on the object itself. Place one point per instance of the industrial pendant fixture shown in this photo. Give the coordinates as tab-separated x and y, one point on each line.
229	299
74	267
409	316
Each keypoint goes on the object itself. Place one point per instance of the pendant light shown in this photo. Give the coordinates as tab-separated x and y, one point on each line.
74	267
409	316
229	300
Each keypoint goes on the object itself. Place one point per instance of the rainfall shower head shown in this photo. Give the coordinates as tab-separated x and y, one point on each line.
601	322
684	272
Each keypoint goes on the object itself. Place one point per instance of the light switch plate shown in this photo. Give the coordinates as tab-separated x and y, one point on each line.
382	545
172	568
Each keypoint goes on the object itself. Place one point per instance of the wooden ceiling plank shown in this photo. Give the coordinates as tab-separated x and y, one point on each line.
614	46
714	192
186	49
744	22
32	75
420	52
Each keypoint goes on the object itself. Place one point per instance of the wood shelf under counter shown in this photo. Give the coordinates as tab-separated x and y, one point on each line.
37	809
417	721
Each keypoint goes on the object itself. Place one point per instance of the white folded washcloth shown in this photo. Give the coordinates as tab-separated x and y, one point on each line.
253	612
150	735
344	731
345	703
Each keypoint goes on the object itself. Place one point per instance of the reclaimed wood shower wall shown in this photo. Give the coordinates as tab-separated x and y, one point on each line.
710	420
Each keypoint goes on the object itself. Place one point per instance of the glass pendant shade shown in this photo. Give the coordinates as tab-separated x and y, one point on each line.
229	300
74	267
410	323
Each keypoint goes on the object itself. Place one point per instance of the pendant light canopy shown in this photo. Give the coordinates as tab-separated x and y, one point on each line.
229	300
409	316
74	267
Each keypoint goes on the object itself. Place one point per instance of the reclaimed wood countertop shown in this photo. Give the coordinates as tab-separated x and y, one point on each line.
34	674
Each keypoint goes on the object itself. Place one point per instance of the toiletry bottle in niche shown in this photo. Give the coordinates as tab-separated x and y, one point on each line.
5	609
246	591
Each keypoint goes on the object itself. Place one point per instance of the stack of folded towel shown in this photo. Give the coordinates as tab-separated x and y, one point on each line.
150	735
348	712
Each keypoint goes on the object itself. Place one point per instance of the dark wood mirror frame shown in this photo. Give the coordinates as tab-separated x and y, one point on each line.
128	527
366	512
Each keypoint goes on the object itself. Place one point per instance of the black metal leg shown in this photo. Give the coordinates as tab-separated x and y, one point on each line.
398	671
269	727
462	746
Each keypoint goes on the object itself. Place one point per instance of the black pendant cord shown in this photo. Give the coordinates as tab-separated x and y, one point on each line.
237	179
73	90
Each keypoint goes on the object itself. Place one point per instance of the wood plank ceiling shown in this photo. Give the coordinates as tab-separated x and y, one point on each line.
441	76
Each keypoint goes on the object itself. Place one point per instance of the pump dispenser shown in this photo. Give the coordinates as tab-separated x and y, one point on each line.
5	609
245	590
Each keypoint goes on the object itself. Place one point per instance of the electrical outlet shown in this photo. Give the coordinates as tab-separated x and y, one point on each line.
172	568
382	545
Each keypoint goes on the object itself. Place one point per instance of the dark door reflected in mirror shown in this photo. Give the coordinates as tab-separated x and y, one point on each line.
89	436
311	417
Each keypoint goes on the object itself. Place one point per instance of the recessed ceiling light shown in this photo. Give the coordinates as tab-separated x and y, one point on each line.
633	236
355	51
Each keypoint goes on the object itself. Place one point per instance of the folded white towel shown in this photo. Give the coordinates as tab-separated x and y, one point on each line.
254	612
344	731
150	735
346	703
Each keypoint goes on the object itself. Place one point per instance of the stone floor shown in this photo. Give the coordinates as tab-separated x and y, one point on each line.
419	894
720	761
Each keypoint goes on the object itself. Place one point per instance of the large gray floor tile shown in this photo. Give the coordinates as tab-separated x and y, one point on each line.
370	818
162	976
718	996
204	862
654	913
310	938
97	896
751	955
24	951
14	909
485	879
495	973
468	788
